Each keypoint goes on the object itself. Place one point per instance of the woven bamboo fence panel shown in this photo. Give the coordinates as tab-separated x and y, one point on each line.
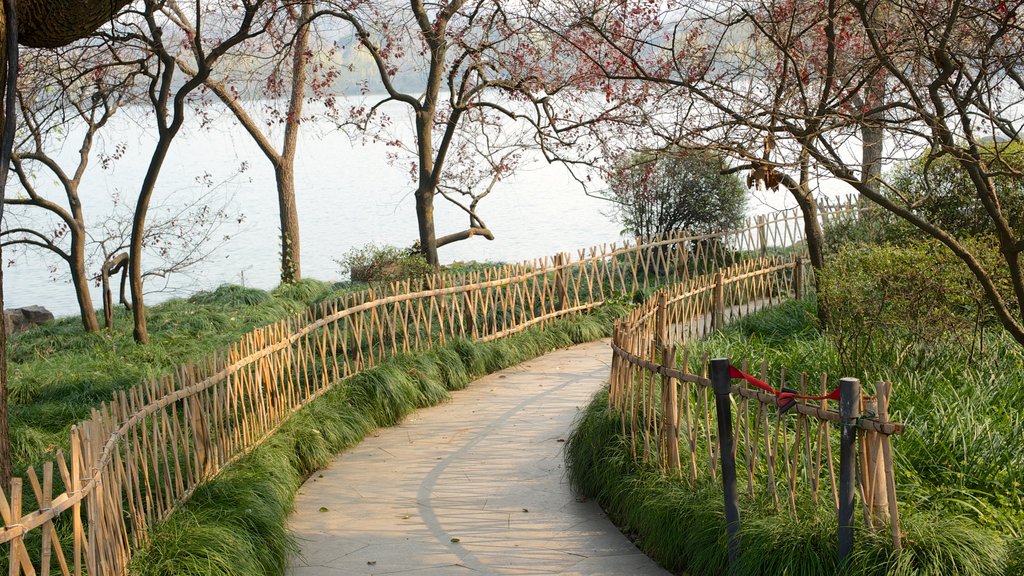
143	453
667	407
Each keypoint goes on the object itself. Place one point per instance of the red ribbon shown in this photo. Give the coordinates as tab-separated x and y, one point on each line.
782	397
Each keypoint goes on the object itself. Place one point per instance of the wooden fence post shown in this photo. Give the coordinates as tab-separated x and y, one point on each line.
877	499
661	329
718	317
723	409
469	314
561	288
762	236
849	411
884	395
798	277
671	413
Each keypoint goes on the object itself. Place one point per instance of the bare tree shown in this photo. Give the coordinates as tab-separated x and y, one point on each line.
205	32
286	45
49	24
61	93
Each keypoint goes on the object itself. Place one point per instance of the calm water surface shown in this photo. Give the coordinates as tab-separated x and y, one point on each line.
348	196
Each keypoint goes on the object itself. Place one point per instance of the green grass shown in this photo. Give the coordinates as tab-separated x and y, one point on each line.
961	452
959	465
234	525
57	373
683	527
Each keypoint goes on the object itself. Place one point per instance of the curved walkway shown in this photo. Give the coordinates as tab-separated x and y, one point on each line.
473	486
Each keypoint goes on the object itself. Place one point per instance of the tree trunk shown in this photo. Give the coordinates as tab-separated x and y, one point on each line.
8	79
81	281
425	218
871	156
813	234
872	134
290	247
427	173
140	333
284	170
6	468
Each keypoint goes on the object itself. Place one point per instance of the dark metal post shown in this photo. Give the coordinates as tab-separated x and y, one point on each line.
849	411
723	407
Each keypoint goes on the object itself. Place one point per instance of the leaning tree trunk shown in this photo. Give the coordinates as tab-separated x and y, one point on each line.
140	332
55	23
813	234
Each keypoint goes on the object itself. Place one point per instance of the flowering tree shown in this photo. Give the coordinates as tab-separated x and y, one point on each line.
821	80
472	77
668	191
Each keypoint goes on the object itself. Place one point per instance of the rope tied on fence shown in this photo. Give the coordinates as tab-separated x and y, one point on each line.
785	398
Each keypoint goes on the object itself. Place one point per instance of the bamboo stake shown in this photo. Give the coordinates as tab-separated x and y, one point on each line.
894	512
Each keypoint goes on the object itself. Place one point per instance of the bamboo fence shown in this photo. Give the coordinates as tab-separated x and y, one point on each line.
668	410
143	453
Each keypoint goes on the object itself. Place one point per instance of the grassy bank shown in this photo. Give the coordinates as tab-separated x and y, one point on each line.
683	527
961	452
57	372
235	524
958	468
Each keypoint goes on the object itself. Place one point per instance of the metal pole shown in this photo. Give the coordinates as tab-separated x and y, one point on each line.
849	411
723	407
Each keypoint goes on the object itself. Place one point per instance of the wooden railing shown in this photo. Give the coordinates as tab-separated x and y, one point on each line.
144	453
675	418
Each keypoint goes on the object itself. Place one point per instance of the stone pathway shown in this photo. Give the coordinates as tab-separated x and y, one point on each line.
474	486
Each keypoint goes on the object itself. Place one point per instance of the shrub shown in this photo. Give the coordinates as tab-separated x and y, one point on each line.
231	295
658	192
940	191
898	302
372	263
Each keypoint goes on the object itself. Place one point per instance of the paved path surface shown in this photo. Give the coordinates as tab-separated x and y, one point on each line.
474	486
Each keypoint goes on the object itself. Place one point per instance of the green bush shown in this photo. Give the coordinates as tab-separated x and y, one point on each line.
372	263
663	191
231	295
899	302
942	192
937	189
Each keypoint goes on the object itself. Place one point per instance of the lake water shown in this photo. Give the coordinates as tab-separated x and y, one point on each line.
348	196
